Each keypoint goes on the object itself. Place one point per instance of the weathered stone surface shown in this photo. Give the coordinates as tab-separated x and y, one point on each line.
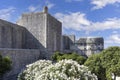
35	23
68	41
20	58
44	32
54	34
11	35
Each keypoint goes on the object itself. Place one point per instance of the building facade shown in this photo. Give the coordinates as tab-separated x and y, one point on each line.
90	45
83	46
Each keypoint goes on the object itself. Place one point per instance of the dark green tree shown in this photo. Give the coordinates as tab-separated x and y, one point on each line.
5	65
94	64
76	57
105	63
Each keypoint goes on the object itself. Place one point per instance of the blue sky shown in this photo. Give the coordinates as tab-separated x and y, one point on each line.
83	18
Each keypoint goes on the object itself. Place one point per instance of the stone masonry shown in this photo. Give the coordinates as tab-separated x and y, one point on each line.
37	36
46	30
11	35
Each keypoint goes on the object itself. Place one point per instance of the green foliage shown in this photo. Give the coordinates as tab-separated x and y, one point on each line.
5	64
57	56
105	63
94	64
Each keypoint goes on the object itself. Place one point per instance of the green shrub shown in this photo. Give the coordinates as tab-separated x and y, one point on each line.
5	64
57	56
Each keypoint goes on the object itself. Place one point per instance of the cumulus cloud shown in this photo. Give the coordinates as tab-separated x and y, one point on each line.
5	14
78	21
75	21
98	4
111	23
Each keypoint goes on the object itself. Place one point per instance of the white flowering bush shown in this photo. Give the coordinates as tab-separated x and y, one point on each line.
62	70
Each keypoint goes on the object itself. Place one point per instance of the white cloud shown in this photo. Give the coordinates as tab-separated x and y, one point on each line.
102	3
112	23
72	0
49	4
75	21
33	8
113	39
78	21
5	14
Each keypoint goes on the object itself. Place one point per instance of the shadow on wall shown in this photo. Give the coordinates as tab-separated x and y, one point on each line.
21	46
30	42
69	46
17	37
31	51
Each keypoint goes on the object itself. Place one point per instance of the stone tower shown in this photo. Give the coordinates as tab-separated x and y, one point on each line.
46	31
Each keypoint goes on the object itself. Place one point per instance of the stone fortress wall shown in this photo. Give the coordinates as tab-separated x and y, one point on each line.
11	35
67	42
35	24
39	37
54	34
12	44
46	30
36	36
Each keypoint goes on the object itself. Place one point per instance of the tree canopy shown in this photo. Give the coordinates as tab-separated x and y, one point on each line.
105	63
57	56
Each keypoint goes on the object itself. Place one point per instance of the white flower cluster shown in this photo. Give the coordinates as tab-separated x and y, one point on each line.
63	70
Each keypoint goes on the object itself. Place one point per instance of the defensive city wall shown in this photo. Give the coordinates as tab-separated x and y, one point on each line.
37	36
12	44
